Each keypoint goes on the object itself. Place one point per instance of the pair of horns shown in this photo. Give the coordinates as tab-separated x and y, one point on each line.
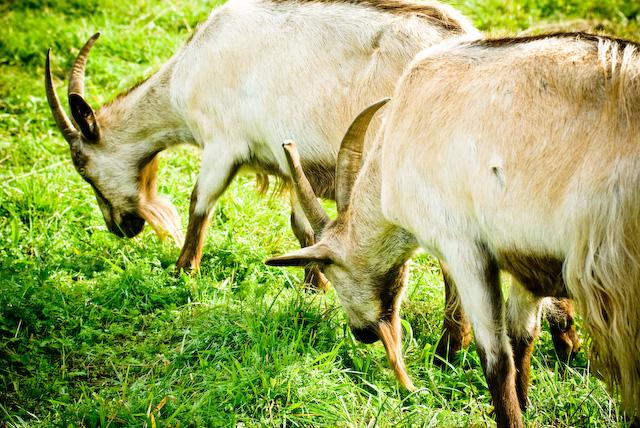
84	122
347	167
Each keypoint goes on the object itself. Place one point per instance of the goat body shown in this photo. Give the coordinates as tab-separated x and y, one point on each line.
524	154
256	72
271	70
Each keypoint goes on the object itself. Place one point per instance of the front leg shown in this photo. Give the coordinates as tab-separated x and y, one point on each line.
456	329
216	172
477	277
313	278
191	252
523	323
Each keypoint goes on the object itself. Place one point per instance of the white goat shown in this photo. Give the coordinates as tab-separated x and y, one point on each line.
256	72
519	154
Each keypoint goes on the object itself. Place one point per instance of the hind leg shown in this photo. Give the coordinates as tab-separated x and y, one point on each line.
560	315
456	329
313	278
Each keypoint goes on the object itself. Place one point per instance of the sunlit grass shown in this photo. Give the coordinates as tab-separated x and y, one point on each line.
96	330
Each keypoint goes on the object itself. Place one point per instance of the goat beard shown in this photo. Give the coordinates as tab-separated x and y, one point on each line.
157	210
163	217
391	336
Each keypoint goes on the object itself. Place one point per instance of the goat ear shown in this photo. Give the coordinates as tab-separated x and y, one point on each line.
84	117
318	254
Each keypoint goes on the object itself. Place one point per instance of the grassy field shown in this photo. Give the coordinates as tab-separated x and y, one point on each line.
97	331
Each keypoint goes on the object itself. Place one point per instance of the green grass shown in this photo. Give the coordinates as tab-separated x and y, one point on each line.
97	331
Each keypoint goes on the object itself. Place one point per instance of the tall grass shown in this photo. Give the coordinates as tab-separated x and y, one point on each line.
97	331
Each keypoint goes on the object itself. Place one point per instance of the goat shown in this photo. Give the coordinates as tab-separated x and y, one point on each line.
518	154
239	86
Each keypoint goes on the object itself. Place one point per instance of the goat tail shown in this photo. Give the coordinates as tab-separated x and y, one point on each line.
602	272
619	63
262	184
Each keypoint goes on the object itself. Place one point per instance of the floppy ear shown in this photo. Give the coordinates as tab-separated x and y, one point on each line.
391	336
318	254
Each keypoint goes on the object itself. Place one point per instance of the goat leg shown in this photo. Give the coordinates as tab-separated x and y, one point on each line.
313	279
191	252
563	330
216	173
456	329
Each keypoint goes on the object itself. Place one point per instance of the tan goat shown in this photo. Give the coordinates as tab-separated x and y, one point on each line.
521	154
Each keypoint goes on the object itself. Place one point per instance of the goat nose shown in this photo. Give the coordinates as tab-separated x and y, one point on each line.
113	227
131	225
365	335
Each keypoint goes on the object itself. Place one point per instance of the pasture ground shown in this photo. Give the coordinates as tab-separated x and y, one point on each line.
97	331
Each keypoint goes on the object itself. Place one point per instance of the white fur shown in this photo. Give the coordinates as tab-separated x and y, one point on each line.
523	313
256	73
268	72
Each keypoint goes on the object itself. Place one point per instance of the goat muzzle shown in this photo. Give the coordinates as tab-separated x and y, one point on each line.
131	224
365	335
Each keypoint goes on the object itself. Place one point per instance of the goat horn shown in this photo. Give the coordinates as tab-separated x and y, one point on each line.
69	132
308	200
350	155
76	77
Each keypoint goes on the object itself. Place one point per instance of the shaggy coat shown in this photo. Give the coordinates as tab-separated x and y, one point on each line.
514	154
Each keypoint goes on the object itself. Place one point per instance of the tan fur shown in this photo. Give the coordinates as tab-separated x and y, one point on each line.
571	181
509	154
262	183
161	215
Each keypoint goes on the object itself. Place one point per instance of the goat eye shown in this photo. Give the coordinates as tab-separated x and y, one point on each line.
82	171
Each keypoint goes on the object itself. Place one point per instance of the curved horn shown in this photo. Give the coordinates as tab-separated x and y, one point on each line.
69	132
350	155
76	77
308	200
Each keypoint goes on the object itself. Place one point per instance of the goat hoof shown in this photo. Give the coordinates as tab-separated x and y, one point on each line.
184	267
566	344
